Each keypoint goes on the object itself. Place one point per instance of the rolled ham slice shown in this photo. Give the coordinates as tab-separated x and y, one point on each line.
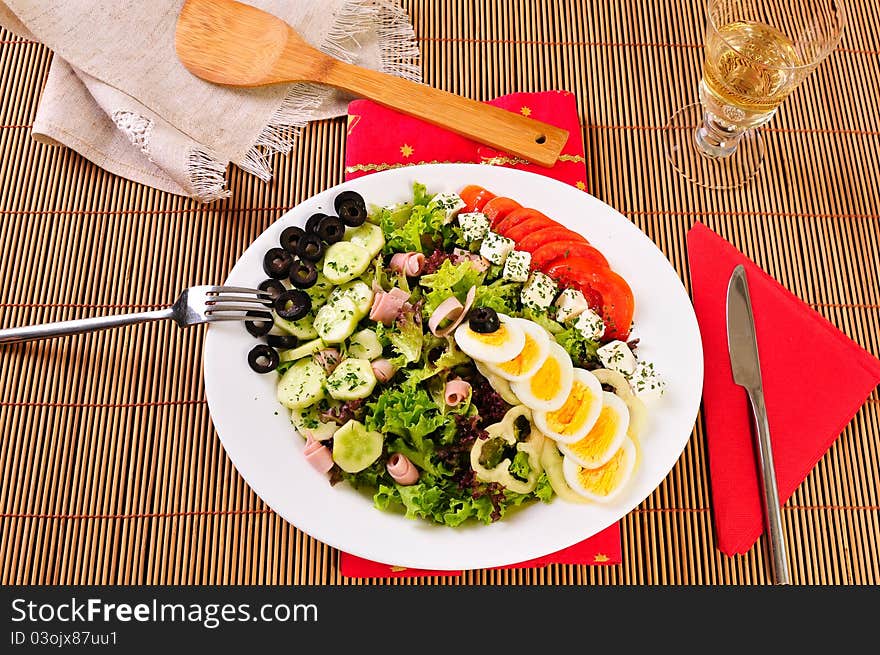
452	309
317	455
382	369
456	391
402	470
328	359
387	305
408	263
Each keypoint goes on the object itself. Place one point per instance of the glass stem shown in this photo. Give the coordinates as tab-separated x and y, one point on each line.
716	139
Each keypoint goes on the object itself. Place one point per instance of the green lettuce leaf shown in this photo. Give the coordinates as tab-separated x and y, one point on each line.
503	297
450	279
581	349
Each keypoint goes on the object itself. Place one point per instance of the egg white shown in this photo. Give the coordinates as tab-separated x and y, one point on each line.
611	403
596	396
561	386
571	470
474	346
540	337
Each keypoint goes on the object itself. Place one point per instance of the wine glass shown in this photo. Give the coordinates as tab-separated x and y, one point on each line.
756	53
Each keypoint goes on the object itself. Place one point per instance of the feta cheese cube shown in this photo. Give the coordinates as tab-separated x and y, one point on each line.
517	266
646	383
450	203
474	225
617	356
495	247
570	304
590	325
539	291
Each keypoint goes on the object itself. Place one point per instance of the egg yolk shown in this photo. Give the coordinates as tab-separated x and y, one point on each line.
496	338
605	479
571	416
598	440
525	360
546	381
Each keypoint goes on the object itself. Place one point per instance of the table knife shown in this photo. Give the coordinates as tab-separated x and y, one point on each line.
742	344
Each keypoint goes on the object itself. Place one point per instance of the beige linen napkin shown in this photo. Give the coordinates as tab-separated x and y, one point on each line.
117	94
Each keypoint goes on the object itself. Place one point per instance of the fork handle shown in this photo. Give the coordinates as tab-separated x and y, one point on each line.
78	326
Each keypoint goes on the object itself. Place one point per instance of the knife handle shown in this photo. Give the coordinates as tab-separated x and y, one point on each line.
772	512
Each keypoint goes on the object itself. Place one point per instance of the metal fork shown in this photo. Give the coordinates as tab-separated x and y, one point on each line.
203	304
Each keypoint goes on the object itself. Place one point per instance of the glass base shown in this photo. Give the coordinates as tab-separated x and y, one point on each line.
728	172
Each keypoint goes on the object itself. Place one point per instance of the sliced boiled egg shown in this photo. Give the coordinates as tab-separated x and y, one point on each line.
530	358
605	483
574	420
549	387
604	438
502	345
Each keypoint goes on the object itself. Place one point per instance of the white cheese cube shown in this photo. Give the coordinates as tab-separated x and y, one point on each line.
570	304
645	382
450	203
474	225
539	291
617	356
517	266
495	247
590	325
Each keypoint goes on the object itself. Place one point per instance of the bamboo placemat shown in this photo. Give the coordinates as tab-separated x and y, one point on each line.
111	470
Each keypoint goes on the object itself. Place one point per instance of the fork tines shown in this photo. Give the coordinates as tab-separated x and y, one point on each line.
232	299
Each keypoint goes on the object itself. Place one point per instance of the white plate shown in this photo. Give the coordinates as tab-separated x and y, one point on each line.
257	435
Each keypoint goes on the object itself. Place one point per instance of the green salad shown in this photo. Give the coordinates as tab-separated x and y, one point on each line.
365	335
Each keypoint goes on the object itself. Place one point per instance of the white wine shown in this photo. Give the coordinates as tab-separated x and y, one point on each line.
750	68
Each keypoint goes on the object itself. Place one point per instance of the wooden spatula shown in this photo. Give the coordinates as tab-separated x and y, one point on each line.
228	42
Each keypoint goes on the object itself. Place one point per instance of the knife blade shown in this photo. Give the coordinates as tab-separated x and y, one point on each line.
742	345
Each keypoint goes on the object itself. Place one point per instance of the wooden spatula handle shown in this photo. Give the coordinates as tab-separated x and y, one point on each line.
524	137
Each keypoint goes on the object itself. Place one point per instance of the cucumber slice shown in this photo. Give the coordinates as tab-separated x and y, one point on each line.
368	236
320	290
302	385
308	419
344	261
355	447
302	350
304	328
359	292
335	322
365	345
353	378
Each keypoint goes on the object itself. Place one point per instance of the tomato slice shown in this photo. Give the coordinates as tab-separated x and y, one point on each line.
557	252
514	218
535	240
499	207
475	197
607	293
526	227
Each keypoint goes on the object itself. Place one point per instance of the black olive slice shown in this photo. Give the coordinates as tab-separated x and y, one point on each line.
331	229
276	263
352	213
483	320
263	359
310	247
260	325
293	305
348	196
273	287
303	274
313	222
289	238
281	341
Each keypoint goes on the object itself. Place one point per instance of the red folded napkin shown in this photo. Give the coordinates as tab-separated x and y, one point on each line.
815	379
381	138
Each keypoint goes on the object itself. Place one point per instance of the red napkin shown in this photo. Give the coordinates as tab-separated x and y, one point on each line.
815	379
381	138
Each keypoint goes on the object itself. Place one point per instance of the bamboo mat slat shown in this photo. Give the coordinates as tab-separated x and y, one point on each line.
110	470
